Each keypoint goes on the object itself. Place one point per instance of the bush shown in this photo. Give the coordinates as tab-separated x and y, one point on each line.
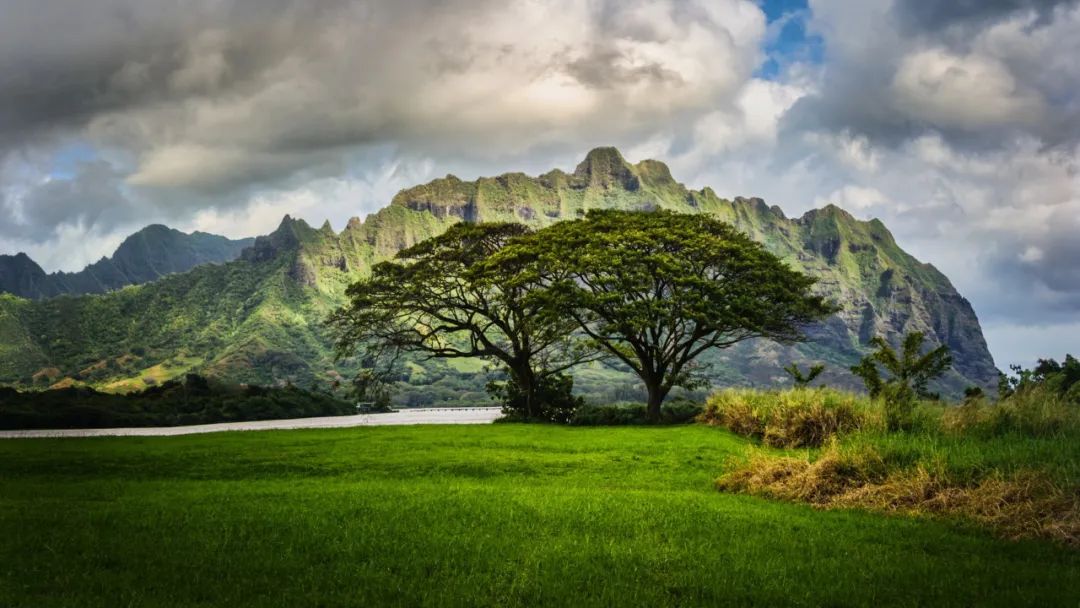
616	414
193	400
677	411
554	393
790	419
899	405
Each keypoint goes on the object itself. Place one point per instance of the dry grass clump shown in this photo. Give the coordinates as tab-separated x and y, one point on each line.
1026	504
788	419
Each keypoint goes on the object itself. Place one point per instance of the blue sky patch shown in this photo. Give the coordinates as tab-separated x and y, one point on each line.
66	160
788	41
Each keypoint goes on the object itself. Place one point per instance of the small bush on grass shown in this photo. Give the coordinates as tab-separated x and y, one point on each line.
788	419
676	411
554	393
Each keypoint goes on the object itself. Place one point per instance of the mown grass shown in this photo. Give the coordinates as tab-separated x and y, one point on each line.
471	516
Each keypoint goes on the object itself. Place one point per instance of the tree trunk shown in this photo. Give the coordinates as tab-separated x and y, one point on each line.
656	399
526	381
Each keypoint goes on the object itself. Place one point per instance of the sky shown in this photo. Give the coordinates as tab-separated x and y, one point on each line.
955	123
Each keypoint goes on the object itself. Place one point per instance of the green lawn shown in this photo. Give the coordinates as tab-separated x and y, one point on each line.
482	515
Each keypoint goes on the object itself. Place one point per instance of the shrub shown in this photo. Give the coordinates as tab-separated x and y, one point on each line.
616	414
676	411
898	401
789	419
555	393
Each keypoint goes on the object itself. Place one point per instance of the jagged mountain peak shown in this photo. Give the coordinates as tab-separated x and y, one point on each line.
146	255
606	168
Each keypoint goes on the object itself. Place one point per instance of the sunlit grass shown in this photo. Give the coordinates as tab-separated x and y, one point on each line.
492	515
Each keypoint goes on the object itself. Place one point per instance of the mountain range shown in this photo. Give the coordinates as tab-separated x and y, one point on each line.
259	318
147	255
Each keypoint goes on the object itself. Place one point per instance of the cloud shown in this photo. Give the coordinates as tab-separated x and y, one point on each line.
38	213
240	91
921	15
969	92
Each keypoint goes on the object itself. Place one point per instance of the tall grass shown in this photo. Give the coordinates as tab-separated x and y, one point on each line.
796	418
1013	465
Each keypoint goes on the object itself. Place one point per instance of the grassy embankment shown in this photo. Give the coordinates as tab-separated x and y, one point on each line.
492	515
1014	465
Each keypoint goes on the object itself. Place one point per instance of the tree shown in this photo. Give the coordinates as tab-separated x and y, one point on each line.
440	299
1061	379
801	379
910	373
909	367
657	289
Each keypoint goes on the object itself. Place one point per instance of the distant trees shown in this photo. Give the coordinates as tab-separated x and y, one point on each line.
652	289
1061	379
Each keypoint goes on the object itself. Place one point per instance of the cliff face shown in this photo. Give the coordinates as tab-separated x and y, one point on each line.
259	318
145	256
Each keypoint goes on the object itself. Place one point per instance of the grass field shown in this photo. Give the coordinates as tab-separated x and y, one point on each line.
486	515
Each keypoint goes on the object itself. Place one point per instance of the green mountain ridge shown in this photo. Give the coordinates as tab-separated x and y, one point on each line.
259	318
145	256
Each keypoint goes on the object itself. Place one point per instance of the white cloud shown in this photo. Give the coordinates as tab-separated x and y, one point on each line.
970	91
854	197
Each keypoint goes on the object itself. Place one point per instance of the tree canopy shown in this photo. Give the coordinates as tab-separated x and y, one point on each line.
657	289
438	298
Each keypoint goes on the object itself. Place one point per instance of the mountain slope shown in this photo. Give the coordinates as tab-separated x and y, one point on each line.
145	256
259	318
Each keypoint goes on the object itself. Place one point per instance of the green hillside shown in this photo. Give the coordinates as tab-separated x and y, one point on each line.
259	318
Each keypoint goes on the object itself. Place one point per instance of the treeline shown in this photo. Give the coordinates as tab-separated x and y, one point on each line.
191	400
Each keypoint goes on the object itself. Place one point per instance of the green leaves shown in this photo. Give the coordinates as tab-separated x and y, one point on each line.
909	369
657	289
446	298
804	379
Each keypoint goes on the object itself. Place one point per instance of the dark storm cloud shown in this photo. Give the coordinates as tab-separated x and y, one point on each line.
933	15
206	104
64	61
897	72
97	187
602	68
1043	266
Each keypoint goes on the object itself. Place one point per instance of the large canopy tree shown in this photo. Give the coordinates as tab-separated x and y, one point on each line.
439	299
657	289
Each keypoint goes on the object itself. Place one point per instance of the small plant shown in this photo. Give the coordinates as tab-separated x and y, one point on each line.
910	373
800	379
